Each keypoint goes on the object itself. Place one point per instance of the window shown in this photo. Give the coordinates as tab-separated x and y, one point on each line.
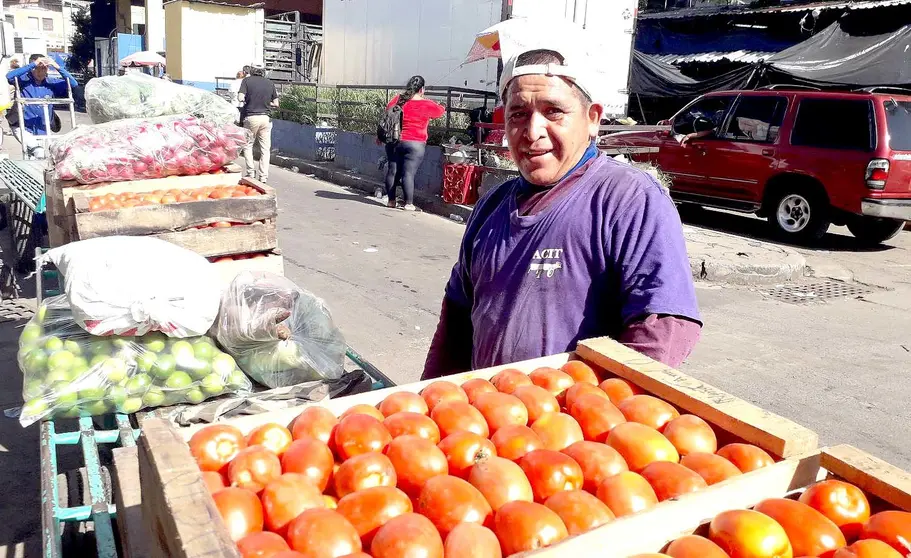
756	119
47	24
33	23
835	124
10	18
710	108
898	121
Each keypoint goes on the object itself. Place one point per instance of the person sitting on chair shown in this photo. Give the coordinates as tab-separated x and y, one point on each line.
34	83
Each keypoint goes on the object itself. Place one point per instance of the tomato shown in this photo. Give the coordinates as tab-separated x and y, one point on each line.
581	388
415	460
286	497
618	389
477	386
522	526
414	424
640	445
500	481
440	391
274	437
596	415
311	458
472	540
551	379
512	442
253	468
322	533
506	381
362	409
261	544
362	471
746	457
648	410
579	510
597	461
694	546
537	400
580	372
408	535
358	433
448	501
214	481
749	534
371	508
891	527
810	532
463	450
712	468
501	409
315	422
626	493
691	434
557	431
671	480
215	446
454	416
550	472
241	511
843	503
869	548
403	402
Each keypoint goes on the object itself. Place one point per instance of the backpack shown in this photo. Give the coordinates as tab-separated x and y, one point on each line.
389	127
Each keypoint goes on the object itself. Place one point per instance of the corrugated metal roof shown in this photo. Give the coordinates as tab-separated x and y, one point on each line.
737	10
745	56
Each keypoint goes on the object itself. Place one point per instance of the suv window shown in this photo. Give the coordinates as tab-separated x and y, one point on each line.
898	121
756	119
835	124
711	108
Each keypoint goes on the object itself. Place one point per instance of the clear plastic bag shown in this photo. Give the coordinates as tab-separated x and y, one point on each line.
146	148
138	95
69	373
280	334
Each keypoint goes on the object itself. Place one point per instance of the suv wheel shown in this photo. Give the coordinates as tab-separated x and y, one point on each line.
800	215
871	231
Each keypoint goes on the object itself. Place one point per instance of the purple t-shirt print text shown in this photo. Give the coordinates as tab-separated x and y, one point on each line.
609	252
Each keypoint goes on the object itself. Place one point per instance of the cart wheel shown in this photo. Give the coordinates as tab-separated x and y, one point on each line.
78	537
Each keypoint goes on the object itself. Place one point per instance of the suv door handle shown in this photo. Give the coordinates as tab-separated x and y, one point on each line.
768	152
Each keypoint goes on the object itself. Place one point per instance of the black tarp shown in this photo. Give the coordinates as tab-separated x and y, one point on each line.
652	78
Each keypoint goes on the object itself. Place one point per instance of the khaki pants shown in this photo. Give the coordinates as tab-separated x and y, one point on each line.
261	126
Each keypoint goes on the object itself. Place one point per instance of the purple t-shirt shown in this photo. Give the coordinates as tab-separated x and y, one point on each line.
608	252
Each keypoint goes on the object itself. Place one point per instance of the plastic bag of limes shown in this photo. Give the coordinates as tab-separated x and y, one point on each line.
70	373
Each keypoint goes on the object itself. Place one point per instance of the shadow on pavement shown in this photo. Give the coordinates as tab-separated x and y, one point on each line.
358	197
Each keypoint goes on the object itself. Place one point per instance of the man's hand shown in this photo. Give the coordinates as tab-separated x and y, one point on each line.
52	63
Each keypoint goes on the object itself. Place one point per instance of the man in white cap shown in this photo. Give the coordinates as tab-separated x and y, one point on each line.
578	246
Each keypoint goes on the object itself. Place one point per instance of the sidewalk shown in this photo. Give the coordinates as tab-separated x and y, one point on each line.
714	256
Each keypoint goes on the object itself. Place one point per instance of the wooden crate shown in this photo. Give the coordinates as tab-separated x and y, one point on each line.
228	270
178	508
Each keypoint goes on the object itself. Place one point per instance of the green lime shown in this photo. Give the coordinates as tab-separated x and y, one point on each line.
138	384
64	395
55	376
33	388
179	380
203	350
60	360
146	360
223	364
80	365
53	343
100	347
116	395
41	314
30	334
130	405
72	346
35	362
164	366
173	398
35	408
213	384
123	342
91	394
239	380
153	398
95	408
114	369
181	347
153	341
71	412
194	396
97	360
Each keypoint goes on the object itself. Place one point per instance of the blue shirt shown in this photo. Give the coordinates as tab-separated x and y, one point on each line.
30	89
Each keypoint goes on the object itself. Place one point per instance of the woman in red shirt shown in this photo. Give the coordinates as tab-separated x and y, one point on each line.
405	156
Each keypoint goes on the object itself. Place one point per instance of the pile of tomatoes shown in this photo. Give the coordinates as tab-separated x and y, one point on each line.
488	468
236	257
108	202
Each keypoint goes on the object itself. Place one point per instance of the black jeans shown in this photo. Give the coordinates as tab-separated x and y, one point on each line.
404	159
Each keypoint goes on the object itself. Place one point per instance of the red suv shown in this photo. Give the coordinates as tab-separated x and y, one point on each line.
802	158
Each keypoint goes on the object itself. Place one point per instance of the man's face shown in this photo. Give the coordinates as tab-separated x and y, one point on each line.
40	73
548	127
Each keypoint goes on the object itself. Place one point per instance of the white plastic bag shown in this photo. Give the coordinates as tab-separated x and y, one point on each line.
280	334
130	285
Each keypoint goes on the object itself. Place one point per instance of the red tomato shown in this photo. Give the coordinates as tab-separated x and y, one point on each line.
274	437
671	480
512	442
311	458
371	508
463	450
286	497
580	372
501	409
626	493
241	511
843	503
363	410
557	431
471	539
694	546
712	468
475	387
891	527
254	468
322	533
215	446
454	416
315	422
413	424
691	434
500	481
648	410
640	445
405	536
358	433
578	389
403	402
746	457
579	510
869	548
537	400
416	460
597	461
440	391
619	390
810	533
214	481
550	472
596	415
447	501
261	545
362	471
551	379
506	381
523	526
742	533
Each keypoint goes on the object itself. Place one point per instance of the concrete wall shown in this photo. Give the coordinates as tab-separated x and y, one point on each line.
361	153
303	140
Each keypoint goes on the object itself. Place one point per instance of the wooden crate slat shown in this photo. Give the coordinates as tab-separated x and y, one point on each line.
753	424
212	241
134	537
871	474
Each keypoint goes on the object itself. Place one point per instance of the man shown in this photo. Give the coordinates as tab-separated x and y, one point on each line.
234	93
258	95
35	84
579	246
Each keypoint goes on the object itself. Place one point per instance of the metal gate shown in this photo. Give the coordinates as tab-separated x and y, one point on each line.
291	49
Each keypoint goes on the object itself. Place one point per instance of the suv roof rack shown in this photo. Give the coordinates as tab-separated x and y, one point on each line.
786	86
885	89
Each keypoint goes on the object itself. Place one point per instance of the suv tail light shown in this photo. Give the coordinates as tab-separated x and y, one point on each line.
877	174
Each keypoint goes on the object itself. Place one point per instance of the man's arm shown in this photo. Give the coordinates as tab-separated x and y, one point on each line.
19	72
274	102
242	92
451	348
667	339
